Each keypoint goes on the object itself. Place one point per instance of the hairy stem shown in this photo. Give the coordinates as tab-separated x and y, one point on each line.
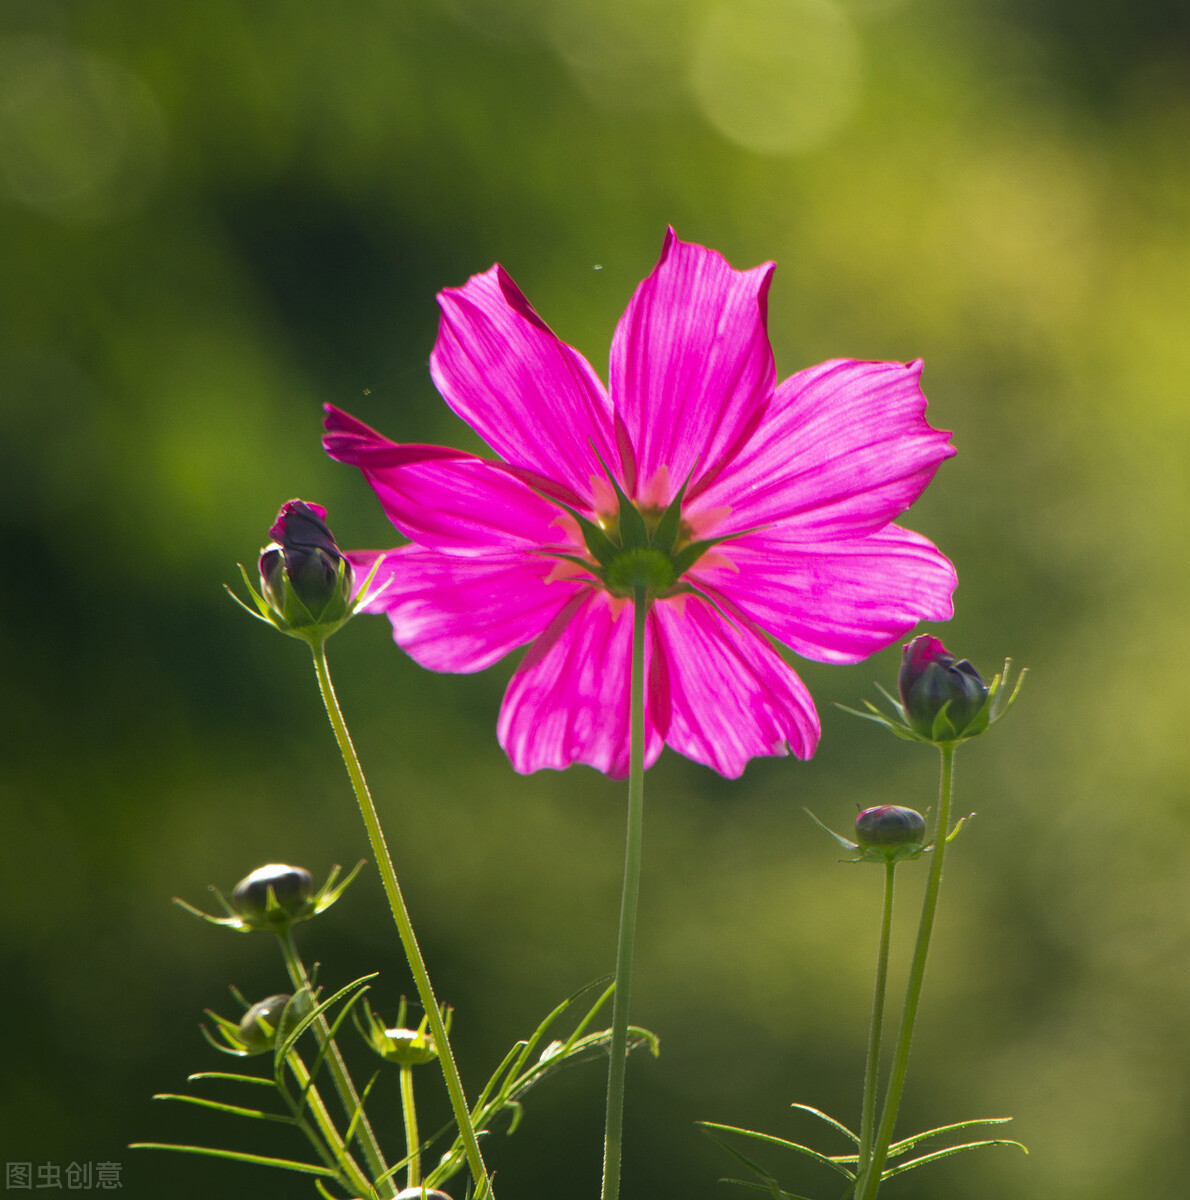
869	1182
392	889
335	1148
412	1140
618	1051
872	1066
334	1060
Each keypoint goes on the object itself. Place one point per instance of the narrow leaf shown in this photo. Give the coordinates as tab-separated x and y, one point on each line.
817	1112
772	1189
230	1075
238	1156
772	1140
909	1142
235	1109
928	1158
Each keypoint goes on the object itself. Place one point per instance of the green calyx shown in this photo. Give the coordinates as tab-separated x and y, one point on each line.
639	549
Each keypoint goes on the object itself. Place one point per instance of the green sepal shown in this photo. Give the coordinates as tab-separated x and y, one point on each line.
665	536
599	573
634	533
602	548
690	554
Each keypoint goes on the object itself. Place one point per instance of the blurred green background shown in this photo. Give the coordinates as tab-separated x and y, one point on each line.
218	216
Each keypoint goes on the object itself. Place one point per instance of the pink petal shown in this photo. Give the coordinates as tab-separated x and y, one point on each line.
349	440
733	697
468	506
843	449
569	702
536	401
835	601
451	613
691	365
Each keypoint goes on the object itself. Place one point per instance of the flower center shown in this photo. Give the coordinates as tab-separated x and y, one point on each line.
642	567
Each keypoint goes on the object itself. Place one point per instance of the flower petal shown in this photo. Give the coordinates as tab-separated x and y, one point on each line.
568	701
349	440
535	400
691	364
451	613
733	697
843	449
835	601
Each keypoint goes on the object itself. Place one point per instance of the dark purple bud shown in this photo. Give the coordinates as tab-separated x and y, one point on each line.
889	825
931	680
258	1026
303	574
291	890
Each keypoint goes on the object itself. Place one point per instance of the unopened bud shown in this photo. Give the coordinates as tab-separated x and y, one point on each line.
304	576
274	894
258	1026
889	825
944	698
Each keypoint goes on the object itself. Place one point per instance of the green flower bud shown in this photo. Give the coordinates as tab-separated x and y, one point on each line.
273	895
408	1047
258	1026
944	699
889	825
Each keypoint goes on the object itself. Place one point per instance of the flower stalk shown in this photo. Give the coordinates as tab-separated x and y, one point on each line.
868	1181
334	1060
872	1066
396	901
618	1050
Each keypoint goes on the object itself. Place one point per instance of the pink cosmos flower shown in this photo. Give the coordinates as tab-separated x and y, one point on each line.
751	509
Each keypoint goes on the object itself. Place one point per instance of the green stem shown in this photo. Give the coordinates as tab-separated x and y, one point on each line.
339	1156
869	1182
334	1060
412	1140
618	1051
392	889
872	1067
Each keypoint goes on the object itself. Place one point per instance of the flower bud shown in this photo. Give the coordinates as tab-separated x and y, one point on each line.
889	825
417	1193
258	1026
944	699
274	894
408	1047
304	576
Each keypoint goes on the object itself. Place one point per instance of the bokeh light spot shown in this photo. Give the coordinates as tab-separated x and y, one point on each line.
776	76
81	138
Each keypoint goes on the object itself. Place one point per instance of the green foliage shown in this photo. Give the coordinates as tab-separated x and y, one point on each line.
845	1164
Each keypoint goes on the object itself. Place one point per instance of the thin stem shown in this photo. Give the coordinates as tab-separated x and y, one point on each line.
618	1051
396	902
412	1140
334	1060
872	1067
340	1157
869	1182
